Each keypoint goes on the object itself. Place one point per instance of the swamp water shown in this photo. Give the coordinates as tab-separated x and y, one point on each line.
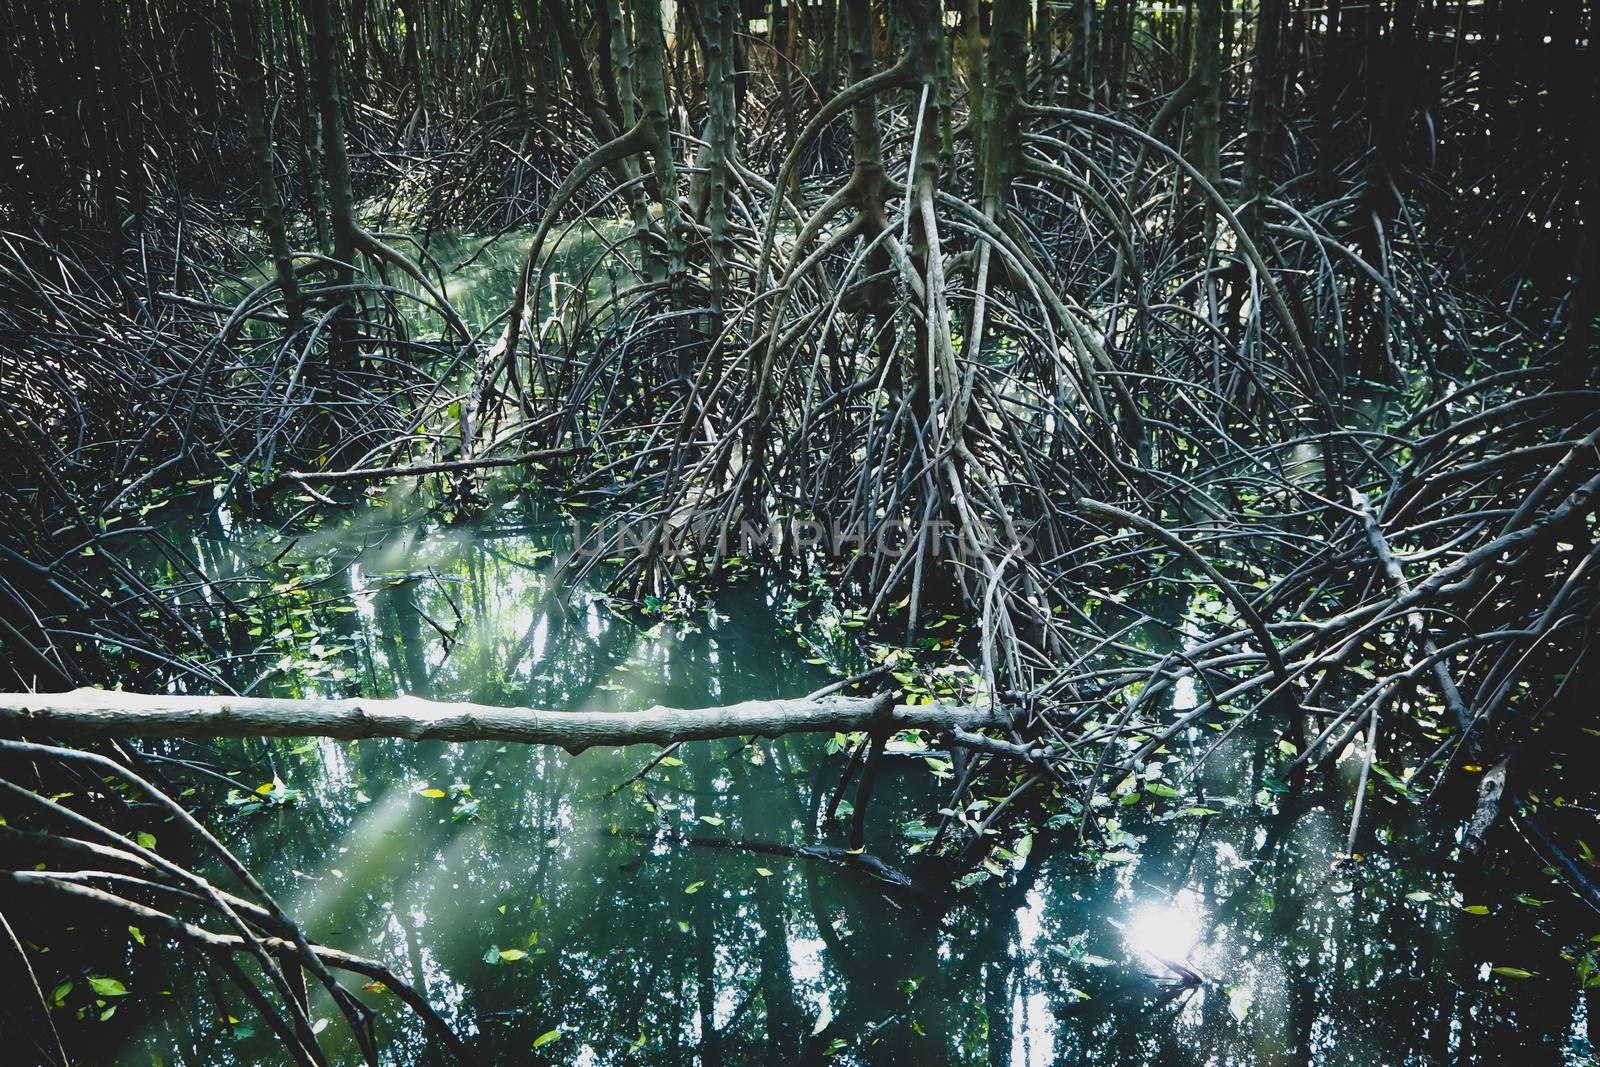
707	913
554	917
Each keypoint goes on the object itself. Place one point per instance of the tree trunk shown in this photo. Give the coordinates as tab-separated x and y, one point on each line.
651	88
1208	91
1008	63
341	193
310	126
253	98
1044	44
1263	107
721	137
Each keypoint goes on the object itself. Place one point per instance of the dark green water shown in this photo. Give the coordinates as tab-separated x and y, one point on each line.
682	920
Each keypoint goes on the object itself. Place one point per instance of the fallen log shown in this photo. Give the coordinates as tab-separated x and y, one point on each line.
91	713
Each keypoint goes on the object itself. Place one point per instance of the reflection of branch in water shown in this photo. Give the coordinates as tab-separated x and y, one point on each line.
860	861
1544	846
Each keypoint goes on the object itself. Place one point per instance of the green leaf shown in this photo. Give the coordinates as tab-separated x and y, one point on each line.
145	840
547	1037
512	955
693	887
1161	789
1394	783
1239	1000
1513	972
823	1020
136	934
1476	909
763	872
435	793
108	987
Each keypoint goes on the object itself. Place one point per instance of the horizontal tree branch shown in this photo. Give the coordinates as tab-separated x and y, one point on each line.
370	474
89	713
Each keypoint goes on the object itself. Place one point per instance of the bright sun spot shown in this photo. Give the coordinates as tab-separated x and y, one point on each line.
1167	931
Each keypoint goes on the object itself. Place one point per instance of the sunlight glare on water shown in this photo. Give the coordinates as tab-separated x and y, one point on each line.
1165	930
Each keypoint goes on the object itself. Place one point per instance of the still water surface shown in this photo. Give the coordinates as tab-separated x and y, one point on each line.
708	914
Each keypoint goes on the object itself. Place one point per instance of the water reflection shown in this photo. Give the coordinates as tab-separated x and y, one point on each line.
704	914
478	273
1166	933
